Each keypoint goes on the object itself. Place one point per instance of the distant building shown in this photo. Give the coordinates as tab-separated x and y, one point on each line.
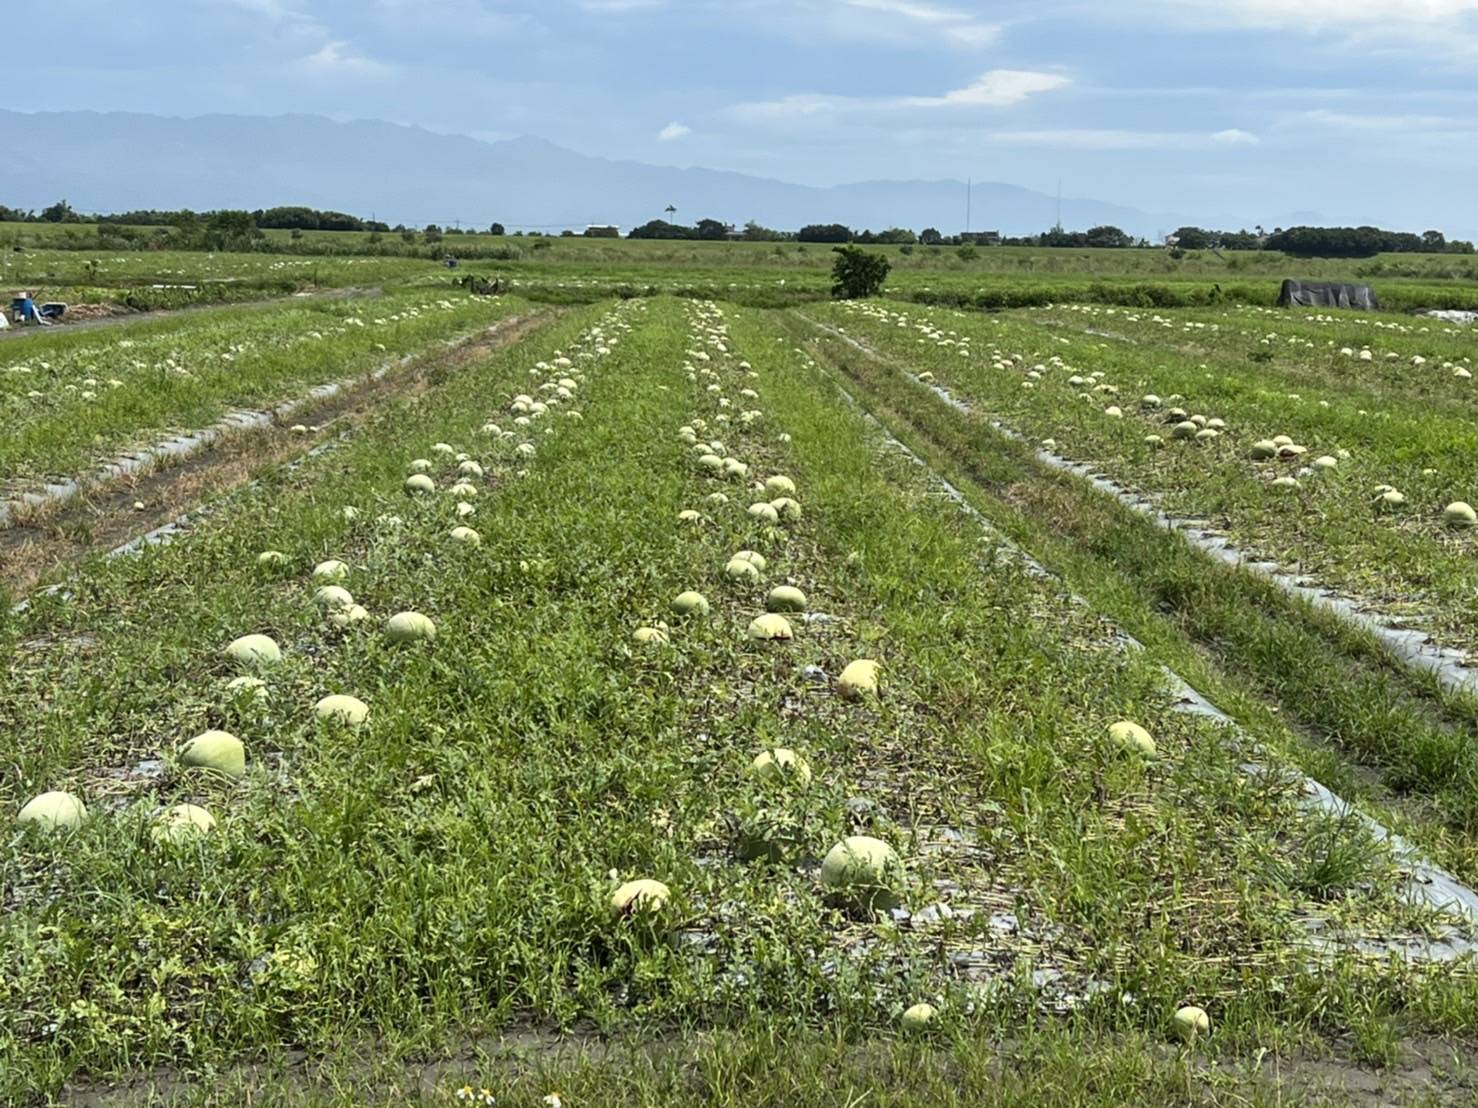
982	238
602	231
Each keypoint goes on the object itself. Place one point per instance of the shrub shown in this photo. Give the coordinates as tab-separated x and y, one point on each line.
824	232
857	273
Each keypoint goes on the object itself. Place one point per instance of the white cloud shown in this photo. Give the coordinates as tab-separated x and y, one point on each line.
959	27
924	13
1447	27
274	10
999	88
336	59
1351	121
429	19
1110	139
279	17
674	131
1091	139
618	6
1323	16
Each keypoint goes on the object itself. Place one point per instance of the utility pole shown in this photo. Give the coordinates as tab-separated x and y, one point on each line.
1059	203
969	202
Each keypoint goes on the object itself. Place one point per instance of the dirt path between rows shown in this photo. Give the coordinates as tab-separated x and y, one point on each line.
110	515
124	316
1419	1071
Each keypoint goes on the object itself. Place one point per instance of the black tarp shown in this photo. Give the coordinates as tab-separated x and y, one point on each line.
1327	294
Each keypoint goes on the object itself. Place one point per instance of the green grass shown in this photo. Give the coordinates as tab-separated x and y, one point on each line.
156	279
70	400
1016	261
1402	425
441	873
1329	695
1037	1066
764	274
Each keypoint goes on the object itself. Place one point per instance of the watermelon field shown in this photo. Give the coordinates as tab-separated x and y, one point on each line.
72	397
597	700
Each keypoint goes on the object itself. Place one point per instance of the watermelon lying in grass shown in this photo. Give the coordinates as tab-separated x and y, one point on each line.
863	873
53	811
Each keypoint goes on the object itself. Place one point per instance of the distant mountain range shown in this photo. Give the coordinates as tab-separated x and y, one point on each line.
115	161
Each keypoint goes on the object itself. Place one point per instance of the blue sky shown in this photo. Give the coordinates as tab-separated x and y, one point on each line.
1256	110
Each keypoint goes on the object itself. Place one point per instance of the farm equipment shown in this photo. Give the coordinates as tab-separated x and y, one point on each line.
24	310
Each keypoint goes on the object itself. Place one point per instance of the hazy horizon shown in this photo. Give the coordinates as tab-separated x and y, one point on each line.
1359	111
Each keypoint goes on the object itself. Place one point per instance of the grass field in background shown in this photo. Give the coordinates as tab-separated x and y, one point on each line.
765	273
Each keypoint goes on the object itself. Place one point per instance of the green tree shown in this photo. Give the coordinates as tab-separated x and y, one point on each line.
754	232
661	229
1195	238
896	236
1340	242
1108	237
60	212
930	236
824	232
857	273
224	230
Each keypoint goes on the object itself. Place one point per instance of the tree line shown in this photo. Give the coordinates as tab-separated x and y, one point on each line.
1322	242
1303	242
713	230
266	219
243	230
186	229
